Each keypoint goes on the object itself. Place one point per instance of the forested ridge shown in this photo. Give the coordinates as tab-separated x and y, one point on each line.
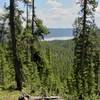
60	65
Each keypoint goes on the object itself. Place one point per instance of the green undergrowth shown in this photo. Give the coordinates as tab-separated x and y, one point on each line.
9	95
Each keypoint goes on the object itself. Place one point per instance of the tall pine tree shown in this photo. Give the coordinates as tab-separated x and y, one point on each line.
84	31
16	60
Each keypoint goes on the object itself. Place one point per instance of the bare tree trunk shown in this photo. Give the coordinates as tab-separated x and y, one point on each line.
33	16
27	14
16	61
84	31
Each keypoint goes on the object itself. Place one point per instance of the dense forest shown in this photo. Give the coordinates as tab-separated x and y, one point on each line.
70	68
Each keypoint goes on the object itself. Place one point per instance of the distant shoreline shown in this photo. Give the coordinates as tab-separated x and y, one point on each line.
57	38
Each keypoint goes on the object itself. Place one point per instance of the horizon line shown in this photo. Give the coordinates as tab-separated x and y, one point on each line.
58	38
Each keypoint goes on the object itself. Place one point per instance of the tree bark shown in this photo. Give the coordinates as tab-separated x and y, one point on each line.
16	61
27	14
84	31
33	16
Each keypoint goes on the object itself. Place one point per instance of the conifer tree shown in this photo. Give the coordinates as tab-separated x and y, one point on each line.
97	70
2	61
28	4
84	31
16	61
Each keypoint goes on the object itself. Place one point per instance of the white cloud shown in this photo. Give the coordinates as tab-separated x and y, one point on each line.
97	16
54	3
98	9
59	15
1	11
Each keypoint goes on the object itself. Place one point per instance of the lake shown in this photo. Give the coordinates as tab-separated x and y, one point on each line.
59	34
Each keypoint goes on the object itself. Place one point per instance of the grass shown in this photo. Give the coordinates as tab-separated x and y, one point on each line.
9	95
13	95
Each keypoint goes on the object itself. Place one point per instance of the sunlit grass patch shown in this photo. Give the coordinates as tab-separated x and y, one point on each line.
7	95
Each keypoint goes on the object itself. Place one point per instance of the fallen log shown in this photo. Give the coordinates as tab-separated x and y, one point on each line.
45	98
39	98
25	96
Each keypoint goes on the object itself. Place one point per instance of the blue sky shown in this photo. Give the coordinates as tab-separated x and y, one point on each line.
58	13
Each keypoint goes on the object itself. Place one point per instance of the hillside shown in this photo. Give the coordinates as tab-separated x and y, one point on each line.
62	56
